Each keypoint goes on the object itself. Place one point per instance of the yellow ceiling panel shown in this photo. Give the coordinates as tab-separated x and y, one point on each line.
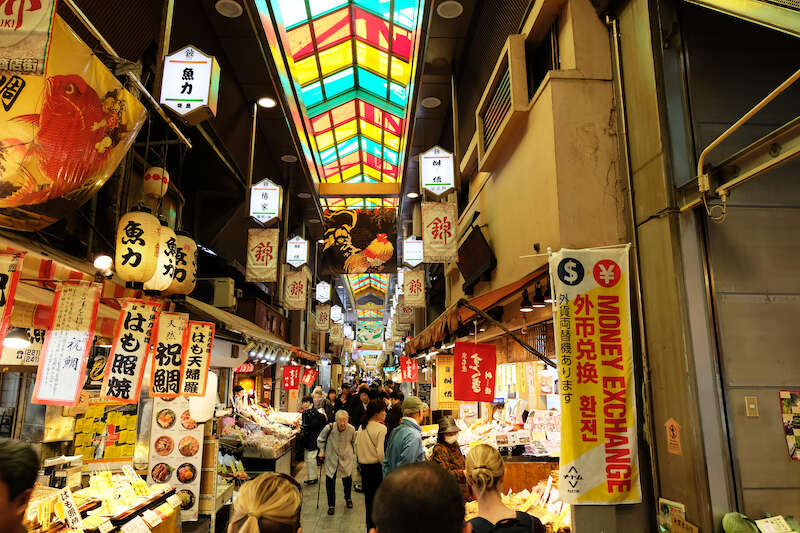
372	58
401	71
345	131
350	172
391	140
306	70
372	173
370	130
324	140
336	58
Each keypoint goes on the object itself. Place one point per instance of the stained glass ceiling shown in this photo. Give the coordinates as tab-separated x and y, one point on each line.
362	282
353	61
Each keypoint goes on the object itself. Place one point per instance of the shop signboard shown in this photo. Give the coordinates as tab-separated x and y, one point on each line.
790	414
291	377
347	345
67	343
25	356
336	314
128	356
405	313
323	292
439	221
262	255
336	334
190	84
172	340
309	377
414	288
25	36
474	371
599	463
408	369
323	317
198	357
296	287
444	383
265	201
413	251
297	252
436	171
10	270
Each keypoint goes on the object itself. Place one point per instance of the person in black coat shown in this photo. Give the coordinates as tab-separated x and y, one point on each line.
343	400
312	423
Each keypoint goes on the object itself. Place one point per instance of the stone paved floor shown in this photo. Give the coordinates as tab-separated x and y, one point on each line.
316	520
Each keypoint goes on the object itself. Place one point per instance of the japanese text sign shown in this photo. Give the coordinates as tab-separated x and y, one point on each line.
296	286
598	409
439	220
474	369
405	313
297	251
265	201
414	288
444	383
323	317
262	255
412	251
309	377
408	369
436	172
347	345
336	313
72	515
190	84
168	354
128	356
25	36
10	269
62	366
323	292
25	356
198	358
291	377
337	334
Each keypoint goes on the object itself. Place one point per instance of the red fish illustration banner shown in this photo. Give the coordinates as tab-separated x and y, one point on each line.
62	134
25	36
414	288
62	365
198	358
291	377
309	377
10	269
359	241
474	368
262	255
128	356
440	244
168	354
408	369
296	289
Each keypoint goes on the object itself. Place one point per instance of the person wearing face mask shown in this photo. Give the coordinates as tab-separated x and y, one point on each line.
447	454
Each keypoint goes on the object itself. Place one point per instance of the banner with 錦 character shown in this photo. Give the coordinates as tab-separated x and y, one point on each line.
25	36
10	270
440	243
198	358
599	462
262	255
128	356
295	290
323	317
359	241
309	377
62	134
291	377
336	334
444	383
405	313
168	355
474	369
408	369
414	288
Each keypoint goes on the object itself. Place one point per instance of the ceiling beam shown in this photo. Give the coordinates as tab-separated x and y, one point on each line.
358	189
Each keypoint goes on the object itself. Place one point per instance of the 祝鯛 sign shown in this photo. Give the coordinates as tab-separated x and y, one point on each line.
168	356
474	369
262	255
436	172
444	383
439	232
297	251
323	317
291	377
408	369
190	84
10	270
598	409
309	377
265	201
412	251
25	36
198	358
62	366
296	286
414	288
323	292
127	359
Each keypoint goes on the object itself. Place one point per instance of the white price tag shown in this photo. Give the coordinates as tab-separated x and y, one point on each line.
105	527
151	518
174	501
137	525
130	473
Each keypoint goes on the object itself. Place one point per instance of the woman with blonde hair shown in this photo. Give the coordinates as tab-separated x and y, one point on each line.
269	503
484	471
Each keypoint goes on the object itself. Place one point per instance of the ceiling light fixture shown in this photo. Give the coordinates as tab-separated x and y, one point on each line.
548	295
525	306
16	339
412	195
538	299
320	241
430	102
229	8
289	158
304	195
103	262
450	9
267	102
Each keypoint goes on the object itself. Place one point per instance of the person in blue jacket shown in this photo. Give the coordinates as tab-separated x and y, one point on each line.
405	441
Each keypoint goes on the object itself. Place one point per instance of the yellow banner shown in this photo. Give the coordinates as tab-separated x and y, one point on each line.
599	462
444	383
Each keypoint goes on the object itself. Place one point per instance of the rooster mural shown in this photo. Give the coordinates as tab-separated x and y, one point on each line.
360	241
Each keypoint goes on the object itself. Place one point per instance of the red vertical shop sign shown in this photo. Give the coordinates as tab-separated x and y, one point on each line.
291	377
198	358
408	369
474	371
168	356
309	377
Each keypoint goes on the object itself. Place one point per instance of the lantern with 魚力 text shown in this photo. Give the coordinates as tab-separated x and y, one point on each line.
137	246
185	276
165	269
155	182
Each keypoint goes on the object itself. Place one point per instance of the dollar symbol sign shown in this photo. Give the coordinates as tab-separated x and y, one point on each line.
571	276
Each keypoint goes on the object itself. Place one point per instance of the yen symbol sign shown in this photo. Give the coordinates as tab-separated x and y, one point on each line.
607	273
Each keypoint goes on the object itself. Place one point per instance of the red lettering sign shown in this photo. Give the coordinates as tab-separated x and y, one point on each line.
408	369
291	377
309	377
474	372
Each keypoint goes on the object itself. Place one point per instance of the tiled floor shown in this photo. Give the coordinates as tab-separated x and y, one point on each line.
317	520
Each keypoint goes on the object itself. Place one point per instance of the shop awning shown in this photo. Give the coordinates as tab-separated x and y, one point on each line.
454	316
302	354
233	322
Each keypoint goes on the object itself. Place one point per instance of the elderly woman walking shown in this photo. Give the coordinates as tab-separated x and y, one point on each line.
336	445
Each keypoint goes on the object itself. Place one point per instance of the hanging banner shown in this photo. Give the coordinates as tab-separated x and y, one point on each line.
336	314
369	333
198	358
444	383
413	253
190	84
323	317
436	171
599	463
25	356
297	251
262	255
62	367
71	128
323	292
309	377
296	286
414	288
10	269
474	368
168	355
25	36
439	232
265	201
336	334
291	377
359	241
405	313
128	356
408	369
347	345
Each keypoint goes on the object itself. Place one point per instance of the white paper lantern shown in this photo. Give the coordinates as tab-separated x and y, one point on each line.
156	182
185	277
201	408
165	269
136	254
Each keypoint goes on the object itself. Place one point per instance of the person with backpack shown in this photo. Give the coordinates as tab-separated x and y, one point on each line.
369	449
336	448
312	423
484	471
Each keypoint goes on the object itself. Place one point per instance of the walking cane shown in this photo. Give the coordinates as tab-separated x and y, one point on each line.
319	485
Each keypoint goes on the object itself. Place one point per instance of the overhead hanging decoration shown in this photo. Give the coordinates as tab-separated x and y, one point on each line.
323	317
405	313
25	37
323	292
337	314
169	354
262	255
439	220
265	201
436	171
165	266
71	127
295	290
309	377
413	251
136	256
155	182
297	251
360	241
414	288
369	333
336	334
409	369
190	84
198	358
185	278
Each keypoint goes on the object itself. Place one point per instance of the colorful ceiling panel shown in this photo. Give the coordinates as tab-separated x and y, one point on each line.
330	202
369	314
362	282
353	64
